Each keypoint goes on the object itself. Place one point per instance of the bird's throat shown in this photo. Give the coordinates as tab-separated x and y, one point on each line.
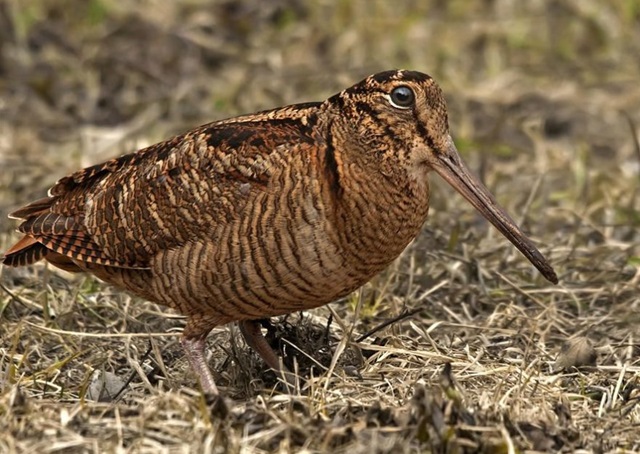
378	216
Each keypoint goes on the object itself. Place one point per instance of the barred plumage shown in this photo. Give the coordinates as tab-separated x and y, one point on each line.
262	214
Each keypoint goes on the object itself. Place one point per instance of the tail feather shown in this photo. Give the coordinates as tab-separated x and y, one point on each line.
24	252
28	251
34	208
54	227
52	236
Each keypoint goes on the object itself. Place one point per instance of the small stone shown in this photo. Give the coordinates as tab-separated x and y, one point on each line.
104	386
576	352
352	371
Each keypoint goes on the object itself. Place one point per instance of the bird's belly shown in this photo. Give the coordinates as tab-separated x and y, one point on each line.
270	269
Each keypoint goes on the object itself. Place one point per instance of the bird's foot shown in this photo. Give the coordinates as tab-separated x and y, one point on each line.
219	407
252	332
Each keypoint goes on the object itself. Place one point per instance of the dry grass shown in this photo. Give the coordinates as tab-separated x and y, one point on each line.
544	104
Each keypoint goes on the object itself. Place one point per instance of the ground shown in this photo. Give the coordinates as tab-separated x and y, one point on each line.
460	346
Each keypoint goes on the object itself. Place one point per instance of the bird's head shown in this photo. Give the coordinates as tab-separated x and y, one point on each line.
398	120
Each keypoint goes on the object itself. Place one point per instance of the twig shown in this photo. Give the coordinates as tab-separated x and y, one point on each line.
99	335
133	373
404	314
13	296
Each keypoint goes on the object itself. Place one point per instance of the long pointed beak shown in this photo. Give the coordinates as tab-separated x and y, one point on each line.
449	166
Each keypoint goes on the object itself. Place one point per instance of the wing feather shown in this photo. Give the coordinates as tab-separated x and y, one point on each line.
122	212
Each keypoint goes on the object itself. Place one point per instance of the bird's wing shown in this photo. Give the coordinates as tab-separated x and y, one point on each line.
123	211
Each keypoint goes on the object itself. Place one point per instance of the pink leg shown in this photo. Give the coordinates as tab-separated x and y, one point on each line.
194	349
252	332
194	342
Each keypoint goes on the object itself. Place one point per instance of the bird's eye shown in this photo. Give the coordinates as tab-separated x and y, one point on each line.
402	97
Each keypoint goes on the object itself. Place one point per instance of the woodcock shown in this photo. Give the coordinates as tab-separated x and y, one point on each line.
263	214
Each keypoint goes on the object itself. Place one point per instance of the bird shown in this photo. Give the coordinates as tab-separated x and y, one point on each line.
263	214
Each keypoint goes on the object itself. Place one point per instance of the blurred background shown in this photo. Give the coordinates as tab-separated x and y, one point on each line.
544	105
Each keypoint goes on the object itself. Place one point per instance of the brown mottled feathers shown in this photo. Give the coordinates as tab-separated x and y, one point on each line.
111	214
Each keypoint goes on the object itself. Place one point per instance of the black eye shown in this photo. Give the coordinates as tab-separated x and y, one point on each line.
402	97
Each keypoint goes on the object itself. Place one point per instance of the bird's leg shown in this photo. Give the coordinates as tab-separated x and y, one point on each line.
194	349
193	342
252	332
